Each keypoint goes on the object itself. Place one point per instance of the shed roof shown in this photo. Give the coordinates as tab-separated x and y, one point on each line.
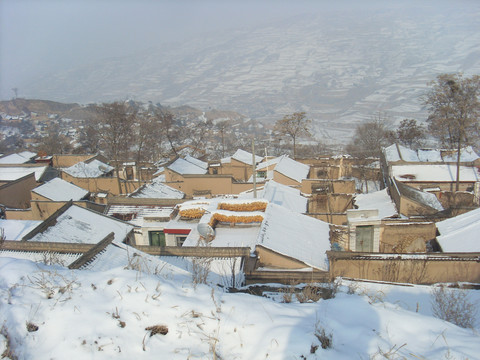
139	214
377	200
282	195
157	190
16	229
19	158
434	173
92	169
460	233
298	236
242	156
184	167
397	152
60	190
12	173
79	225
292	169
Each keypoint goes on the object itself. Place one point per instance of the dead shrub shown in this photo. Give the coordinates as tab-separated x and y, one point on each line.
453	305
8	352
325	338
331	289
31	327
157	329
200	270
287	294
309	293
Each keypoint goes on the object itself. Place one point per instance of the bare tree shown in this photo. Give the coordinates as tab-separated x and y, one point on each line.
294	126
223	128
115	128
89	139
453	102
370	137
410	134
55	142
168	128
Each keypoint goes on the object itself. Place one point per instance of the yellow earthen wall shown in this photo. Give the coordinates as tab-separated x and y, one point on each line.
17	194
271	259
407	271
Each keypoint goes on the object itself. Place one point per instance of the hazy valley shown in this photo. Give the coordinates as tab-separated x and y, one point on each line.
340	69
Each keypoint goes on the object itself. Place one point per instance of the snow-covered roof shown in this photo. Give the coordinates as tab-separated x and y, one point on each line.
460	233
92	169
282	195
15	173
466	155
79	225
269	164
184	167
423	197
377	200
200	163
298	236
20	158
60	190
157	190
139	214
434	173
237	236
429	155
244	157
396	152
292	169
16	229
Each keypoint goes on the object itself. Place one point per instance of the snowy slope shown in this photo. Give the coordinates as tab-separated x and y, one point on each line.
105	315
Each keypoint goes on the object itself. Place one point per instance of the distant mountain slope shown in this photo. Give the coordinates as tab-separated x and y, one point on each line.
22	106
339	69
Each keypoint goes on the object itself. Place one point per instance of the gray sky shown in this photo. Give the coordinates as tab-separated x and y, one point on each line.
38	37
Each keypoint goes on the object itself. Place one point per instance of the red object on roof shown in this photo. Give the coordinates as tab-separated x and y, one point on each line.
177	231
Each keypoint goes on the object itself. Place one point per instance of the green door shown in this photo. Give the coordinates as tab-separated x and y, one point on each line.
364	238
157	238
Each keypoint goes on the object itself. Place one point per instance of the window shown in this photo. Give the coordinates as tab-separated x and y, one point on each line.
180	240
156	238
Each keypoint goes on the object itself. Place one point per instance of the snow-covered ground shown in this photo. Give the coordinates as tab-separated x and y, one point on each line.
104	315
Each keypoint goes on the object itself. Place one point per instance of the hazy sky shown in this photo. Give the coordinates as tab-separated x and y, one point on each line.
38	37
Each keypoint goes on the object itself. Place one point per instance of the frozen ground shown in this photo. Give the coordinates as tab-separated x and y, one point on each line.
104	315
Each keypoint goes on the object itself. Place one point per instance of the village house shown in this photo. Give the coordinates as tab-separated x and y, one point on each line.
283	170
16	181
450	256
265	228
149	217
432	171
98	178
239	165
191	176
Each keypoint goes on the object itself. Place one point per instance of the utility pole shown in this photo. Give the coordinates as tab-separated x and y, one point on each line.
254	170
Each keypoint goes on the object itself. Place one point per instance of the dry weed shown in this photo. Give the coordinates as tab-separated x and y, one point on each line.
454	305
